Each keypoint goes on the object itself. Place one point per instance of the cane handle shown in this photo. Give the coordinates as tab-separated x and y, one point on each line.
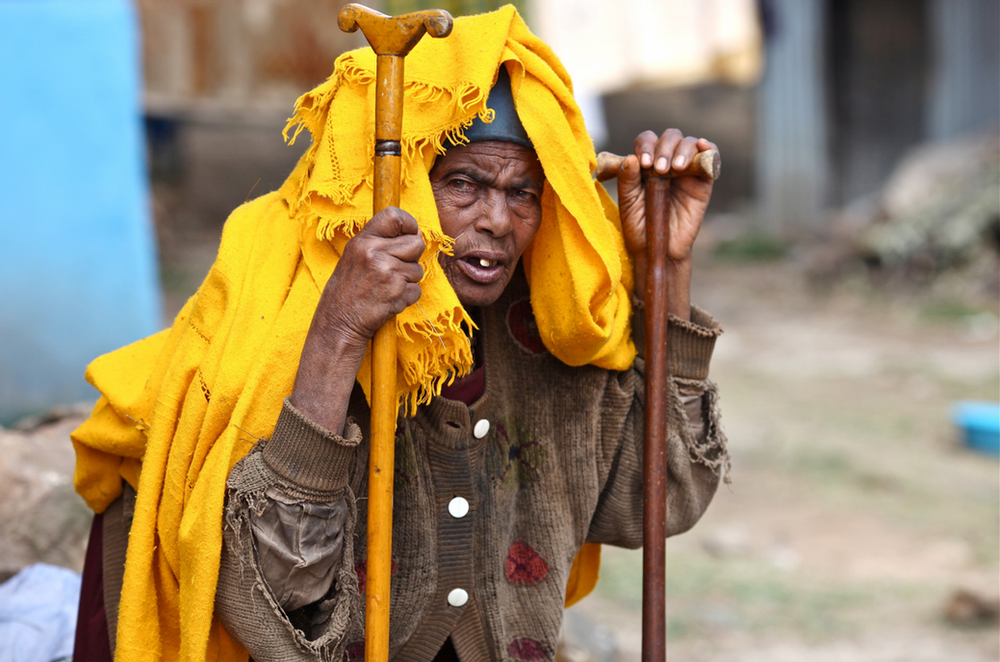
707	165
394	35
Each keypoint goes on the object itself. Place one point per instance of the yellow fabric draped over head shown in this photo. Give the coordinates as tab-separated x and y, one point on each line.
180	408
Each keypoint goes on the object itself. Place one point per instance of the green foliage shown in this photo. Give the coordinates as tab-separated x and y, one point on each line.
949	310
754	246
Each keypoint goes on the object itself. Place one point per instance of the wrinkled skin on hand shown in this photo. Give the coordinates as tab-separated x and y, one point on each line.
377	276
687	201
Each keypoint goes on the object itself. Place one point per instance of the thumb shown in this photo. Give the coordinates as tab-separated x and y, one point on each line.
629	181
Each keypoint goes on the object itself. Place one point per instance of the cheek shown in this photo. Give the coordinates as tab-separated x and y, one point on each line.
453	218
525	231
447	262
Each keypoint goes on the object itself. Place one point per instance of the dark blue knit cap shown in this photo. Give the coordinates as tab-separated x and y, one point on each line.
506	126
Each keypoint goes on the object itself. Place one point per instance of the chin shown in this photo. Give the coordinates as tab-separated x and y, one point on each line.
478	297
472	293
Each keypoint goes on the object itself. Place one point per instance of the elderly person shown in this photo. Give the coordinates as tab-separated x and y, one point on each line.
245	428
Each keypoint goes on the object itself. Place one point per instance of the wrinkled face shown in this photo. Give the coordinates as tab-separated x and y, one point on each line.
489	199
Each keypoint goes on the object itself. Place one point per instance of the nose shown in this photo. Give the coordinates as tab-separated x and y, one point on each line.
494	213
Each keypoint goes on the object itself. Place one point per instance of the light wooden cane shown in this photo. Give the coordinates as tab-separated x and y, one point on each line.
654	513
392	38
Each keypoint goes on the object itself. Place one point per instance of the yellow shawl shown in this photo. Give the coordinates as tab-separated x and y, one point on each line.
180	408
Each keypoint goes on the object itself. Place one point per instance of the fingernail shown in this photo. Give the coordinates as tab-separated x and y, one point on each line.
679	162
647	160
661	164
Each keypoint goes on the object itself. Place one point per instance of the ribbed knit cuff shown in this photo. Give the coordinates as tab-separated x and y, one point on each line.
690	343
309	456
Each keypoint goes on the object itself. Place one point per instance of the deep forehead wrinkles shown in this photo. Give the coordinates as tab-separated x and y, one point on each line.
499	165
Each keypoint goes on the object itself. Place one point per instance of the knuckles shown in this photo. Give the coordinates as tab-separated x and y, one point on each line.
650	141
391	222
377	276
645	138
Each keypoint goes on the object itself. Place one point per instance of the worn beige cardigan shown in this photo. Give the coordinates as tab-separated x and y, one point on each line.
560	465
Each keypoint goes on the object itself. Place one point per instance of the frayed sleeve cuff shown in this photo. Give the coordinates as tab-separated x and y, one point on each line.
691	342
309	456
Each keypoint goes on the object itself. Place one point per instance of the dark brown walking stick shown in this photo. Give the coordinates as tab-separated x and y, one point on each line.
392	38
654	514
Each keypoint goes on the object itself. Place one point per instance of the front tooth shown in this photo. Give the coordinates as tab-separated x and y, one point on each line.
483	262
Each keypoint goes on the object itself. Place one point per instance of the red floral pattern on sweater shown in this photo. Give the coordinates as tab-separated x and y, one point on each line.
529	650
524	565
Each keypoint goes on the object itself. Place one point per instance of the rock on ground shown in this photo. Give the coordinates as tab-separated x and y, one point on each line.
42	519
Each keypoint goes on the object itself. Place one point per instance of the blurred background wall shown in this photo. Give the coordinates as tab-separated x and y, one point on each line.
78	272
814	102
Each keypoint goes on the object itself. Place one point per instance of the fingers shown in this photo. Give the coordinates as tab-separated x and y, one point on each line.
705	145
411	273
670	151
645	148
392	222
630	172
677	158
396	234
392	246
377	276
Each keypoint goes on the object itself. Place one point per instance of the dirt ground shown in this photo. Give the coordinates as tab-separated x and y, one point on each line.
854	514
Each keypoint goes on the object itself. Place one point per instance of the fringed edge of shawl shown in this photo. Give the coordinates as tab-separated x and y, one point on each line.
466	102
437	364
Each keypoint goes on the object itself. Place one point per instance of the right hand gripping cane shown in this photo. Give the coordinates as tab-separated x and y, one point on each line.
654	457
392	38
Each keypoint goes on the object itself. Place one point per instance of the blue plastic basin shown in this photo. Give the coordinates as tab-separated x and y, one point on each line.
980	425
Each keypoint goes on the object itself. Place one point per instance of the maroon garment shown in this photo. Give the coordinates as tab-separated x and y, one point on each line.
470	388
467	389
92	643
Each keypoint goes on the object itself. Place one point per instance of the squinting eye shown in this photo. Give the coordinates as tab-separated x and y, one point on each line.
460	185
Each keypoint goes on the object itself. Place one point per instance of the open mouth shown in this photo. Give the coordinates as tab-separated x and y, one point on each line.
482	269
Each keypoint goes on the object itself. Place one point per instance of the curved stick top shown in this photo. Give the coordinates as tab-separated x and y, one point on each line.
394	35
707	165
